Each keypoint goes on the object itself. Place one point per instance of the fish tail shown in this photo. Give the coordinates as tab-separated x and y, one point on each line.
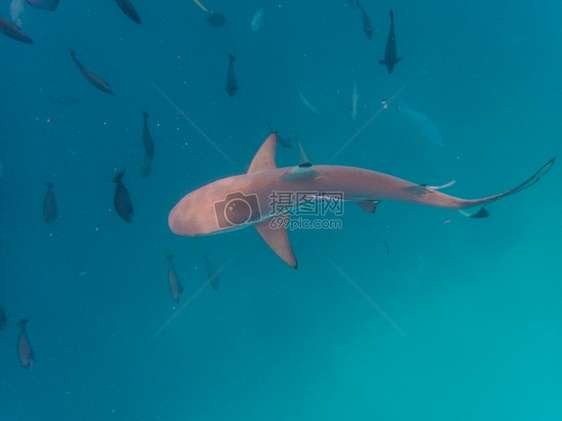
118	176
205	255
231	57
47	184
391	16
169	256
72	54
23	322
145	115
475	208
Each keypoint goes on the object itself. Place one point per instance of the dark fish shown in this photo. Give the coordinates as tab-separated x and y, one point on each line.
95	80
13	31
129	10
3	319
216	19
286	143
211	274
49	204
231	86
43	4
367	26
390	58
175	287
122	200
25	351
386	247
146	137
146	166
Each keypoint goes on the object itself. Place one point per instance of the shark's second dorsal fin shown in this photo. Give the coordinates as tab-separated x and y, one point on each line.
277	238
303	171
265	157
304	160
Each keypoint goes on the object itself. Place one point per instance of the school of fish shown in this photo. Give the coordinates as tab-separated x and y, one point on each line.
123	204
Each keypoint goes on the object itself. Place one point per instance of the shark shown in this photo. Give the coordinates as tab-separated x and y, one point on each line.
252	199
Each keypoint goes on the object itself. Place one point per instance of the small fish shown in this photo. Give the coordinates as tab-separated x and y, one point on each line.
231	86
427	128
198	3
3	319
13	31
307	104
146	166
367	26
286	143
129	10
122	201
16	10
390	58
257	19
354	99
43	4
95	80
211	274
216	19
25	351
175	287
386	247
146	137
49	204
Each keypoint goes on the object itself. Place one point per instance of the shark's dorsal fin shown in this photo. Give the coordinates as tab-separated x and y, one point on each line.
265	157
277	238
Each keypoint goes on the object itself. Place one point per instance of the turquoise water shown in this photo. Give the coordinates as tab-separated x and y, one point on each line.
474	306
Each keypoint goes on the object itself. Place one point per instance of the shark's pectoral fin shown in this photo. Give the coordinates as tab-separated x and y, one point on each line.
368	205
398	59
382	62
274	233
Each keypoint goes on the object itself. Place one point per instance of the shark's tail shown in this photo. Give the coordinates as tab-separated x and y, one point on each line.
476	208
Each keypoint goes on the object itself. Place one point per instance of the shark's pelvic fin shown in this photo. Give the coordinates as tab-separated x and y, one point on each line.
475	212
265	157
278	238
368	205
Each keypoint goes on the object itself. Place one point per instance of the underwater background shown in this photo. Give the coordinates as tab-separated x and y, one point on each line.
474	320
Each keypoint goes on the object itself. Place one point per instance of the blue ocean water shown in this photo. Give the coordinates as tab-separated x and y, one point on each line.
473	307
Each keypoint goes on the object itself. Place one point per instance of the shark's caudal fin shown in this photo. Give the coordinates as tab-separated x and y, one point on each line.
476	209
276	238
